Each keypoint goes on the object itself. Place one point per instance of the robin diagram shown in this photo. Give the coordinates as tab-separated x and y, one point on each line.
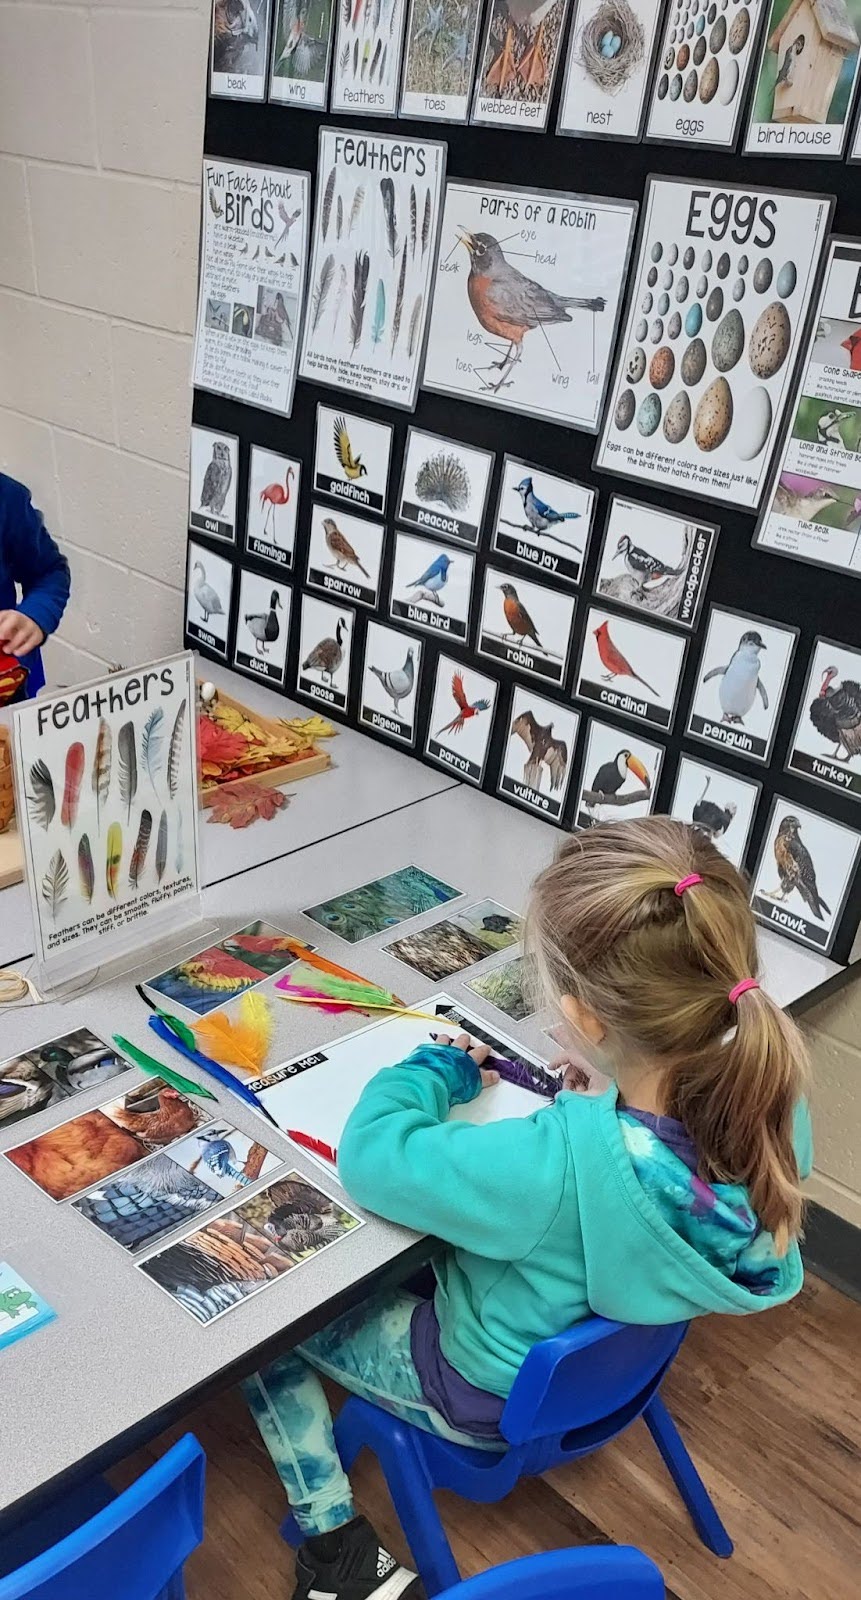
351	459
444	486
804	873
345	554
388	700
655	563
461	719
526	625
273	501
741	683
542	520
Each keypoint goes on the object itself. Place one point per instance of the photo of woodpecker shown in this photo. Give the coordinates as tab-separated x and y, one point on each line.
654	562
618	779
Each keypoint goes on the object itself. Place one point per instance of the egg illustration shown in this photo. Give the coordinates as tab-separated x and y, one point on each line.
739	31
714	304
636	365
787	279
709	82
676	87
702	286
717	37
728	342
690	88
706	262
752	424
672	256
770	340
663	86
652	277
646	303
668	60
693	363
682	288
683	57
701	24
657	250
641	330
722	268
694	320
663	304
649	416
661	367
743	265
667	279
688	258
699	52
656	332
763	274
674	326
626	405
677	420
729	81
713	416
711	13
738	289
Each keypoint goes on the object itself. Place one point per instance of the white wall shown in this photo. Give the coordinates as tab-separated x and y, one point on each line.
101	133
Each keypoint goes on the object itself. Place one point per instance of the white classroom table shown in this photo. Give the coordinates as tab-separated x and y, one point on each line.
122	1360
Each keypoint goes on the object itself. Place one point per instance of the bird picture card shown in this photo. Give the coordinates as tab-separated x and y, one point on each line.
718	303
439	59
538	756
239	49
826	741
368	46
701	83
212	482
460	940
389	693
812	508
325	650
273	504
444	486
630	667
517	68
654	562
22	1309
618	777
48	1073
379	198
461	719
804	874
718	804
345	555
806	80
262	628
225	1158
351	459
741	681
210	978
542	520
375	907
301	53
502	988
431	586
253	253
527	297
208	595
250	1246
611	50
526	625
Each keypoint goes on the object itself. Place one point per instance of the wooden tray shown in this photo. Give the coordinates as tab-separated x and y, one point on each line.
11	856
276	777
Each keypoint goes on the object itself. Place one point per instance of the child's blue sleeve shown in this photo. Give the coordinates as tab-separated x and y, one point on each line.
34	561
802	1139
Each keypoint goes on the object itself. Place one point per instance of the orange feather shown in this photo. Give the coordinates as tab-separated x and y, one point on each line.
72	788
241	1040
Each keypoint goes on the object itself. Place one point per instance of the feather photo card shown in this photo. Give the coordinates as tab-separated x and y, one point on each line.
538	755
326	634
367	68
618	776
526	625
210	978
383	903
655	563
718	804
389	695
239	49
630	667
826	742
301	53
273	504
741	681
351	459
47	1073
345	555
461	720
208	594
442	39
460	940
444	486
542	520
431	586
262	628
212	483
805	871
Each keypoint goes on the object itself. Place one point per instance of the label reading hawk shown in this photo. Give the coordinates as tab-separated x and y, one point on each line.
351	459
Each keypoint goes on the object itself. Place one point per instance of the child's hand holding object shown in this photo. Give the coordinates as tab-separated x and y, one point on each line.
476	1052
19	634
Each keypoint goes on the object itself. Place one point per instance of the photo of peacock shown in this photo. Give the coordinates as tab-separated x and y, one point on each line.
443	480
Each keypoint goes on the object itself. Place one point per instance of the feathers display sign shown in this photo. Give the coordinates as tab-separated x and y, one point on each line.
377	212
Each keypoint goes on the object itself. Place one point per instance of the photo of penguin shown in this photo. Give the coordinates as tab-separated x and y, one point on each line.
718	804
741	683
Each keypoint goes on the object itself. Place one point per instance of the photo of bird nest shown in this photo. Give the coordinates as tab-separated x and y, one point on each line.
611	44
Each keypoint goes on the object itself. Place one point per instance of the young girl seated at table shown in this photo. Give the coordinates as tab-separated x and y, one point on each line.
673	1193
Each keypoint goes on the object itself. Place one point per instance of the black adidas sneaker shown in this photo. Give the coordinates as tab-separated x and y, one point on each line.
351	1564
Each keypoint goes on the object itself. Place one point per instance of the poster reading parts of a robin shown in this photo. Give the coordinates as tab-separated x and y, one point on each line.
326	634
717	309
805	87
432	586
826	742
705	63
542	520
442	39
345	554
741	682
718	804
812	510
611	47
301	53
805	871
375	235
526	625
273	501
240	49
262	628
538	754
517	67
630	667
461	719
655	563
389	696
351	459
213	476
367	64
444	486
208	594
527	297
618	776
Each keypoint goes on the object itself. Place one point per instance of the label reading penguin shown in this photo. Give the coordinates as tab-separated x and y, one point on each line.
325	647
543	521
431	586
390	683
741	683
526	625
630	667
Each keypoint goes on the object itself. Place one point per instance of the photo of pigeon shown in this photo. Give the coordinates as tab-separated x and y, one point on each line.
795	868
264	627
433	580
740	680
710	818
546	756
340	548
327	655
836	714
398	682
217	479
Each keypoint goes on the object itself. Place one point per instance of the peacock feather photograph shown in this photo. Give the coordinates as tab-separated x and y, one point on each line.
382	904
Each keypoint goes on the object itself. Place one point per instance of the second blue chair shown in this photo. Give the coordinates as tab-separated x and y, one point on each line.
587	1574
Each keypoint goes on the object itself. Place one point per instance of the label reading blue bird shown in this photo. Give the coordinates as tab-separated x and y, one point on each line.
431	586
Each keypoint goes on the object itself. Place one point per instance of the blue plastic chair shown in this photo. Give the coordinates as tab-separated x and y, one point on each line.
97	1545
588	1574
573	1394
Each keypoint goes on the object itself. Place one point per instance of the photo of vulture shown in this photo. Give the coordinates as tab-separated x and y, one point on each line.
544	752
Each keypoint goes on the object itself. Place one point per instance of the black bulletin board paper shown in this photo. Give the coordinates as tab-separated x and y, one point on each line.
815	600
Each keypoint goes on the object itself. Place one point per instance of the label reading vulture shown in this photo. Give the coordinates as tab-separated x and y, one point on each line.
630	667
390	683
444	486
618	777
543	521
526	626
741	682
208	592
273	502
262	628
431	586
212	481
345	554
351	459
654	563
325	647
538	754
461	719
826	742
718	804
804	874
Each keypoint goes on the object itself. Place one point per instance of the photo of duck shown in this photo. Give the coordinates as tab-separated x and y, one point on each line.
265	627
206	596
327	655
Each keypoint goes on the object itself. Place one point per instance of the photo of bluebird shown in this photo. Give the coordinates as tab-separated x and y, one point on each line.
433	580
541	518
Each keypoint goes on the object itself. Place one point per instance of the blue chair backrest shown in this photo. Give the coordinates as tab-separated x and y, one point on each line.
586	1574
131	1549
595	1371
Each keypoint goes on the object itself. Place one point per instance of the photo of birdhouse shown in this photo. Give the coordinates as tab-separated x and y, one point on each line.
741	683
444	486
240	49
345	554
351	459
212	483
273	504
442	39
388	699
826	741
655	563
538	755
717	804
618	776
630	667
461	719
262	628
543	521
432	586
519	57
610	53
805	871
367	64
807	76
208	591
326	634
526	625
302	52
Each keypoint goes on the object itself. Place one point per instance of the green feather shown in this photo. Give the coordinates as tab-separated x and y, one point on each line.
181	1029
379	323
156	1070
326	986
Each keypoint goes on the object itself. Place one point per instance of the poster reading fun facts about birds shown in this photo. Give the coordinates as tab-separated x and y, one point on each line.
432	586
526	299
610	54
442	38
212	482
618	777
519	58
240	49
273	501
526	625
106	781
444	486
461	719
717	309
804	874
254	244
375	232
542	520
654	562
345	554
741	682
325	651
538	755
208	592
826	743
262	628
718	804
351	459
805	88
630	667
705	63
390	683
812	511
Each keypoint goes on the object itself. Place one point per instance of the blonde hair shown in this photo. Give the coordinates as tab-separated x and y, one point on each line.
605	925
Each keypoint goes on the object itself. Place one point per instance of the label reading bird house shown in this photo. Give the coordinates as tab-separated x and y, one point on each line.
208	592
517	68
273	501
106	779
808	70
655	563
431	586
826	742
526	625
741	682
351	459
326	636
212	482
543	521
345	554
389	695
262	628
618	777
538	754
444	486
804	874
461	719
630	667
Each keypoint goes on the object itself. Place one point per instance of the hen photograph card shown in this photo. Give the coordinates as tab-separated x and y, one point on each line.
542	520
351	459
208	593
655	563
630	667
345	554
526	625
461	719
325	649
618	777
701	83
718	804
273	504
262	628
431	586
367	67
389	693
804	874
444	486
439	59
301	53
826	741
741	681
212	482
538	756
518	63
611	48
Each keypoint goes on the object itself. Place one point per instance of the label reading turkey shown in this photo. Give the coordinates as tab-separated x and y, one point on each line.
390	683
543	521
345	554
325	650
351	459
741	682
804	874
826	743
630	667
526	625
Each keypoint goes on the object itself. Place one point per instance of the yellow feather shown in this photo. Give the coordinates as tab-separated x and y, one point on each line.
113	856
242	1040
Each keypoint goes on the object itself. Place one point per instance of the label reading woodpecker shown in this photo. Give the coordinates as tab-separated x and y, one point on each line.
741	683
655	563
526	625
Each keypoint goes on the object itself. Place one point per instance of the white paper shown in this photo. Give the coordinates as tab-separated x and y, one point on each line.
212	483
325	652
461	719
444	486
273	505
345	554
239	49
542	520
630	667
262	628
804	874
618	776
351	459
389	695
604	89
208	592
717	803
440	50
805	87
301	52
526	625
517	67
655	563
826	741
741	681
431	587
367	62
538	754
703	72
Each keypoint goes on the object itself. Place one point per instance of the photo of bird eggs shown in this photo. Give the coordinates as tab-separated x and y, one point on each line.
741	682
389	696
302	36
655	563
526	625
262	627
326	634
518	62
273	504
239	49
376	222
367	65
439	59
431	586
826	741
718	804
538	754
630	667
542	520
461	719
213	475
527	294
804	873
705	59
351	459
444	486
345	554
618	776
208	590
806	80
719	299
611	47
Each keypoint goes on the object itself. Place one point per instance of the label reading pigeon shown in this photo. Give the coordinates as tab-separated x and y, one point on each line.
630	668
212	481
542	520
351	459
431	586
538	755
826	743
741	683
208	589
804	874
345	554
390	679
262	627
526	625
461	719
655	563
444	486
325	648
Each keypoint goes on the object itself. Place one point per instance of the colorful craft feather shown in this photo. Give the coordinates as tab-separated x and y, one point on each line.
72	785
102	767
161	845
55	882
139	853
155	1069
128	762
175	751
378	326
113	856
333	994
152	745
86	870
42	800
241	1040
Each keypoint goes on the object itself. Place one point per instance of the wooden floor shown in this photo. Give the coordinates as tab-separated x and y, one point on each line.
770	1408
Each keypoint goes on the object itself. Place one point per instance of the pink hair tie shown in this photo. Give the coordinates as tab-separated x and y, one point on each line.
736	993
687	883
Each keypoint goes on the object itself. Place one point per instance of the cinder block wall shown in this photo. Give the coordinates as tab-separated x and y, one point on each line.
101	133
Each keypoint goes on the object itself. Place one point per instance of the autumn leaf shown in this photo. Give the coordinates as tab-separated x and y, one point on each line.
217	747
310	728
243	805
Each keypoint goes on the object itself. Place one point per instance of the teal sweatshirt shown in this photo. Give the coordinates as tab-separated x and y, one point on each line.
551	1217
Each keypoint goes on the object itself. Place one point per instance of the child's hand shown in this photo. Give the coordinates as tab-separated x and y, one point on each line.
574	1075
19	634
476	1052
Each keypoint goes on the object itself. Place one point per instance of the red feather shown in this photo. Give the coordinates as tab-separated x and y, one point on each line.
72	788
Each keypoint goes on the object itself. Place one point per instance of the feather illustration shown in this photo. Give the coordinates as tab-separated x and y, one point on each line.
240	1040
361	268
326	208
324	284
414	326
216	209
344	58
152	745
113	856
378	7
179	858
413	220
161	845
375	59
175	751
355	56
358	202
357	8
339	298
339	213
387	191
86	870
102	766
139	853
55	882
426	222
42	801
72	785
346	9
378	327
399	299
383	64
127	757
366	56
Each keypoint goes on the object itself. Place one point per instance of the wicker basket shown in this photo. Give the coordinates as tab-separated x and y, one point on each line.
7	787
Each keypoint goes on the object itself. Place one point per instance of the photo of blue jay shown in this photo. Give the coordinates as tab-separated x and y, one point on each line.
540	518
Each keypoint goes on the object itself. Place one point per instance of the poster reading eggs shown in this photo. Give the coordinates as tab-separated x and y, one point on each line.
717	311
706	57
